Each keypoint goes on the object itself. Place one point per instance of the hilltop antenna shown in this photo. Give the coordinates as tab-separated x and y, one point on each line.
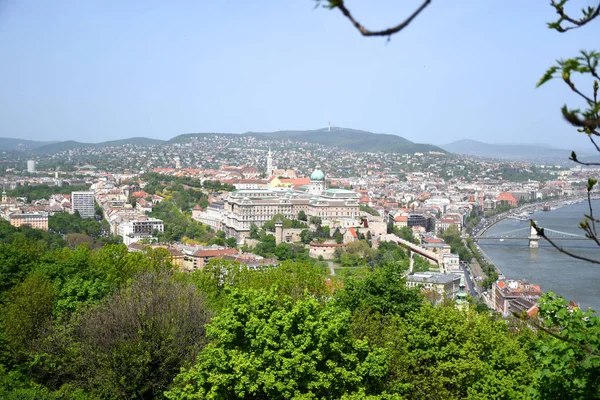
329	127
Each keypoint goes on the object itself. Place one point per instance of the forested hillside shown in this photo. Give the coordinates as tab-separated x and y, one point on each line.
81	324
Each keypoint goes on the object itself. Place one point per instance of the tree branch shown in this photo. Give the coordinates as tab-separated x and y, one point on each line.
540	232
595	233
577	23
583	163
386	32
539	326
594	143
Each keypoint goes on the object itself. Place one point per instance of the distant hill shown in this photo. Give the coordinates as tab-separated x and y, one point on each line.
351	139
10	144
524	152
71	144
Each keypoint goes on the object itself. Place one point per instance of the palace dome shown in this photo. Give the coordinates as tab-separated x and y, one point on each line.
317	175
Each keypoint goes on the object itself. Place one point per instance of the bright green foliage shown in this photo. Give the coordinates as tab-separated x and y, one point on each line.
420	264
569	363
185	199
266	246
267	346
452	237
286	222
439	352
383	291
390	253
294	279
156	182
357	254
28	311
64	223
17	259
405	233
291	251
177	225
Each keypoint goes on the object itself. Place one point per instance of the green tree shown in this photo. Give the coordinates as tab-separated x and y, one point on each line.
306	236
440	352
267	346
568	353
302	216
231	242
254	231
337	235
266	246
383	291
156	326
28	311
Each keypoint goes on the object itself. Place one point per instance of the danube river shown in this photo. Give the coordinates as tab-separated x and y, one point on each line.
553	271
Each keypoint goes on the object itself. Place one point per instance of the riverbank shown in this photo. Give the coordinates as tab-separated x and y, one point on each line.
487	224
570	278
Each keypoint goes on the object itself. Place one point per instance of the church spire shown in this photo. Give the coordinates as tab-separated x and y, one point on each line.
269	171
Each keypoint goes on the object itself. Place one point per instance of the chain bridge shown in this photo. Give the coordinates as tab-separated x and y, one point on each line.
530	234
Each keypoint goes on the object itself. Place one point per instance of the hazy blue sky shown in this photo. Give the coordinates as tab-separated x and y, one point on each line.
98	70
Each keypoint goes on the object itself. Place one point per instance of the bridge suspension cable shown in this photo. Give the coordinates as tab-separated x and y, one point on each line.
524	229
559	233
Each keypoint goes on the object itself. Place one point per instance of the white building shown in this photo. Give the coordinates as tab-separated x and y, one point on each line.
246	207
452	264
445	285
140	228
31	166
213	216
84	203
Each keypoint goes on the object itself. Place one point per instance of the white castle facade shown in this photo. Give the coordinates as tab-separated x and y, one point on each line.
246	207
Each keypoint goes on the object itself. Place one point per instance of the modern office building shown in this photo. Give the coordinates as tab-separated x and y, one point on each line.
31	166
139	228
84	203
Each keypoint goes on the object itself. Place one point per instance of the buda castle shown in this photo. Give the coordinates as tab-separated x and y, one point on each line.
243	208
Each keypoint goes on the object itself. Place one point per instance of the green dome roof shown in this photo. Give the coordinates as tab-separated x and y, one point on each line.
317	175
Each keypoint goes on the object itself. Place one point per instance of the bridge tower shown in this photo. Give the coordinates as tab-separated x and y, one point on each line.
534	239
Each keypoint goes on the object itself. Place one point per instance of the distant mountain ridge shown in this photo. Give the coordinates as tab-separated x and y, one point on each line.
525	152
349	139
71	144
9	144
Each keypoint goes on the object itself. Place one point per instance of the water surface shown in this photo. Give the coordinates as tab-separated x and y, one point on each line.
573	279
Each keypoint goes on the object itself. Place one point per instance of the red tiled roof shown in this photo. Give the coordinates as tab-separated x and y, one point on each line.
300	182
215	253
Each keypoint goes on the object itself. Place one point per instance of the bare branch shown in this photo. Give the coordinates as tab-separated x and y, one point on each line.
573	88
577	23
540	232
594	143
592	124
583	163
385	32
594	236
